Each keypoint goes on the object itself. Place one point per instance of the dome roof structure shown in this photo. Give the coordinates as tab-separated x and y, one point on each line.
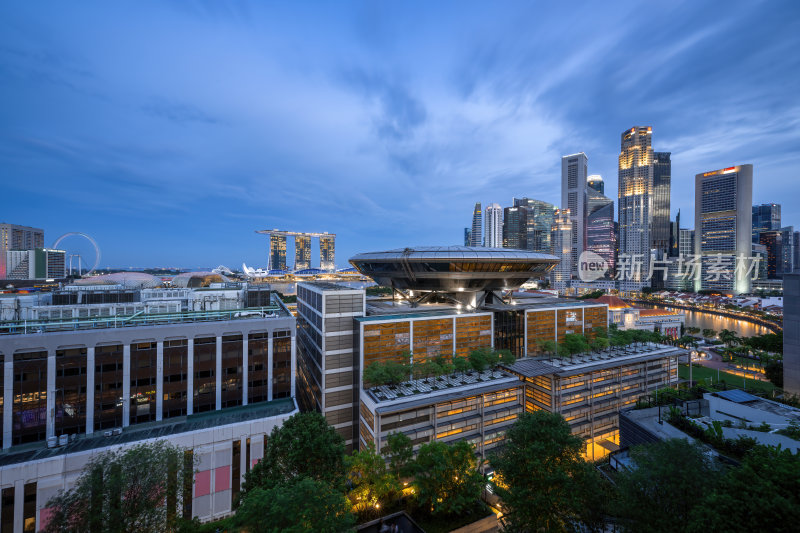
198	279
129	280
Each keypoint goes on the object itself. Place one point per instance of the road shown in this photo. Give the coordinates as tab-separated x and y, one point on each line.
715	361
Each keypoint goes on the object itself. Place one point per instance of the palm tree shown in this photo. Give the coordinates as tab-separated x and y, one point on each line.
709	333
729	337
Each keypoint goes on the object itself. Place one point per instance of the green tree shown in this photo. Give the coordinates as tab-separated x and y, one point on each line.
461	364
375	374
548	347
709	333
728	337
773	370
477	359
372	484
763	494
134	490
400	452
304	446
542	478
574	343
445	478
505	357
301	505
669	479
599	343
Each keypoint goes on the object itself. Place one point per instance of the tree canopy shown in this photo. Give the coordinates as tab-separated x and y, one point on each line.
304	446
445	477
542	478
132	490
302	505
669	480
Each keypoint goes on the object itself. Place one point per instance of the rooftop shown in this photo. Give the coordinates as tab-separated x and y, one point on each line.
275	310
609	358
441	388
150	430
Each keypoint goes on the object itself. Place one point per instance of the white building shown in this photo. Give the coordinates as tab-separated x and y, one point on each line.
493	225
574	174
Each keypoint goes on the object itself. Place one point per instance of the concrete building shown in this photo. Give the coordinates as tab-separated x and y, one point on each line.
14	237
574	174
493	223
791	334
723	223
476	232
635	204
75	388
589	390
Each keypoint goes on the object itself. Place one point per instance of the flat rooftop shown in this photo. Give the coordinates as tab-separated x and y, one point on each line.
276	310
609	358
150	430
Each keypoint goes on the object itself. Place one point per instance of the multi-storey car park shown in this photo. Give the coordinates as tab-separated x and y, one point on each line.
448	302
213	382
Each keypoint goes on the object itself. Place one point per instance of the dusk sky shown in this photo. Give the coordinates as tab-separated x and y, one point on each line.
171	131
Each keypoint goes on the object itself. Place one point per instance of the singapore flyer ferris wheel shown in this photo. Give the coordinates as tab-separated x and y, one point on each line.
88	238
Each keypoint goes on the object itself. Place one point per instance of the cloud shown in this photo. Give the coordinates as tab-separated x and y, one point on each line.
180	113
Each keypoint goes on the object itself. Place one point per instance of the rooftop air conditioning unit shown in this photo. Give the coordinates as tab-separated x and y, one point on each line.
52	442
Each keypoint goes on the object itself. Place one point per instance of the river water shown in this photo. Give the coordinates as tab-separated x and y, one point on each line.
702	320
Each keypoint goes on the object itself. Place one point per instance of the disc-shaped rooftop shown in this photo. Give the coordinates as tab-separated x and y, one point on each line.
453	269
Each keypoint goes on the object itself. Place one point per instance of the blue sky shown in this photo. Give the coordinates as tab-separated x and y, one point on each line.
170	131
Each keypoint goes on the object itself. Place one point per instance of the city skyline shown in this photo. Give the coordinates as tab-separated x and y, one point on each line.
192	126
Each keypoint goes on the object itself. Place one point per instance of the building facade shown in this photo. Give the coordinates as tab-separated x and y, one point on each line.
766	217
561	240
73	389
773	243
723	227
635	203
574	174
14	237
791	334
600	236
493	223
595	182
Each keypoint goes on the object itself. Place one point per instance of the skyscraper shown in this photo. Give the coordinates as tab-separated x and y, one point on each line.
787	236
600	235
277	252
766	217
327	252
675	235
467	237
535	224
595	181
493	238
659	225
15	237
773	242
574	172
562	248
635	203
302	252
476	233
514	222
723	223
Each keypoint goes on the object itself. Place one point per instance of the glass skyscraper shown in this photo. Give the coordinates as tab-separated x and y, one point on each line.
766	217
635	203
600	235
476	233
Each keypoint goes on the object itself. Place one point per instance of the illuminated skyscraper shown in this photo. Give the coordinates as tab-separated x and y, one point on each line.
574	173
476	233
635	203
514	219
659	225
787	256
277	252
327	252
723	223
302	252
773	242
493	238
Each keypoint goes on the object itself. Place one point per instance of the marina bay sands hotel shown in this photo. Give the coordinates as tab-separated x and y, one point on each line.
302	249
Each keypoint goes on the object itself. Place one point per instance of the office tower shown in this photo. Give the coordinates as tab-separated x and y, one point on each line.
467	237
796	245
761	253
600	236
493	223
723	224
595	181
635	204
773	242
787	249
15	237
675	235
791	334
574	170
562	248
514	219
766	217
686	243
659	225
327	252
476	233
535	224
277	251
302	252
